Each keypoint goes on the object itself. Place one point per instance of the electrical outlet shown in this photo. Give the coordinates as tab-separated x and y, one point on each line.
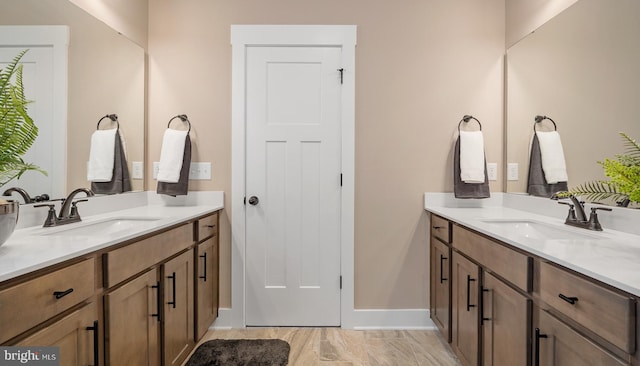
137	170
492	171
512	171
200	171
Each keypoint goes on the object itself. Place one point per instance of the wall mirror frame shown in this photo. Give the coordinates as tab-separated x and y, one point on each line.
106	75
581	68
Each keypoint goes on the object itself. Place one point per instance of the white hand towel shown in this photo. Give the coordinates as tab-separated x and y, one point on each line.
101	155
472	157
171	155
552	154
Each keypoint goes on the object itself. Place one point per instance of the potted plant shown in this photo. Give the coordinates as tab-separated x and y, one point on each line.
624	173
17	134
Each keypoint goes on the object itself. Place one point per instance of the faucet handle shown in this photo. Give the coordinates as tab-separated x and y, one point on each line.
594	223
74	208
52	219
571	217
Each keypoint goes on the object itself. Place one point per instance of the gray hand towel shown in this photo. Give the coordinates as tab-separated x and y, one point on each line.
120	180
468	190
180	188
536	183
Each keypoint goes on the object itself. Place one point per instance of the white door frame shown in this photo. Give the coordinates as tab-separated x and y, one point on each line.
243	36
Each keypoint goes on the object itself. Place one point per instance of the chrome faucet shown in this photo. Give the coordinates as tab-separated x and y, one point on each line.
68	211
577	217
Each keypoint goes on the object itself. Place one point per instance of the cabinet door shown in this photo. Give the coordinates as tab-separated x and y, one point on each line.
506	315
441	287
178	308
132	322
76	335
465	321
555	343
207	286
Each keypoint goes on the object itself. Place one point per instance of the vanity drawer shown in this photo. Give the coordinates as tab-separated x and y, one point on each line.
206	227
134	258
507	263
441	228
27	304
607	313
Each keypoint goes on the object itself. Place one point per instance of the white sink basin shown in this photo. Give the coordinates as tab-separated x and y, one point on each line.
537	230
101	228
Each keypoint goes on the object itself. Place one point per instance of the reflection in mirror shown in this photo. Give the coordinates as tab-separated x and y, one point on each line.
105	76
581	68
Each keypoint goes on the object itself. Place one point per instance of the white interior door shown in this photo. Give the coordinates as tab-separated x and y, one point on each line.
293	158
45	80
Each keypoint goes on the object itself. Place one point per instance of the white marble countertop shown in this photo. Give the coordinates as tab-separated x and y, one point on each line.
33	248
610	256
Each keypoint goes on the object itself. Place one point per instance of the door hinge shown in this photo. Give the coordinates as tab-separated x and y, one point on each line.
340	179
341	75
340	282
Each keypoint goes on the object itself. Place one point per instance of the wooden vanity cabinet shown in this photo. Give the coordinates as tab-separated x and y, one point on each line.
206	274
557	344
465	323
440	283
178	305
491	307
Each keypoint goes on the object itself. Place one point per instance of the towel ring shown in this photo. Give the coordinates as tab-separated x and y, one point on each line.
183	118
468	118
112	117
539	119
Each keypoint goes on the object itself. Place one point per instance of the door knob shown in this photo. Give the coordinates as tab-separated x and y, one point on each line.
253	200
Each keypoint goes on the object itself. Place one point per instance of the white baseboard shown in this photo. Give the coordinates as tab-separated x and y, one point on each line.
358	319
390	319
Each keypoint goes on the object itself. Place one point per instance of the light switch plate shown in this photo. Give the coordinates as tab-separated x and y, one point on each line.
200	171
512	171
492	171
137	168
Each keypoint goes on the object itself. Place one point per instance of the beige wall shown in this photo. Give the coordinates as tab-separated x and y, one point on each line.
525	16
129	17
421	65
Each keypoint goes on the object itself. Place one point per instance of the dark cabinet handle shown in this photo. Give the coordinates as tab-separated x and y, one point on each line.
158	301
60	294
204	276
438	227
96	355
538	335
173	281
442	259
469	280
570	299
482	317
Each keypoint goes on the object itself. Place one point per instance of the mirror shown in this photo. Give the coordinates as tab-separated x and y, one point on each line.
106	74
582	69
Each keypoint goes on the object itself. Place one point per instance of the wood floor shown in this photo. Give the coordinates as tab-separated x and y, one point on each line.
339	347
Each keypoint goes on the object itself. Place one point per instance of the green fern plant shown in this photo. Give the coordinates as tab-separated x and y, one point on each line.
17	130
624	174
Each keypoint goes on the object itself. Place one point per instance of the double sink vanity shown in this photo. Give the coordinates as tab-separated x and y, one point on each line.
512	285
134	283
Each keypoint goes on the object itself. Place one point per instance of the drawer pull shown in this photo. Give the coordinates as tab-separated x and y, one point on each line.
204	276
96	354
537	340
442	259
469	280
60	294
571	300
158	300
173	278
211	226
438	227
482	317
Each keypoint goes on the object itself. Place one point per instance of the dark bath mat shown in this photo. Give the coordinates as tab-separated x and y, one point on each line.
237	352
